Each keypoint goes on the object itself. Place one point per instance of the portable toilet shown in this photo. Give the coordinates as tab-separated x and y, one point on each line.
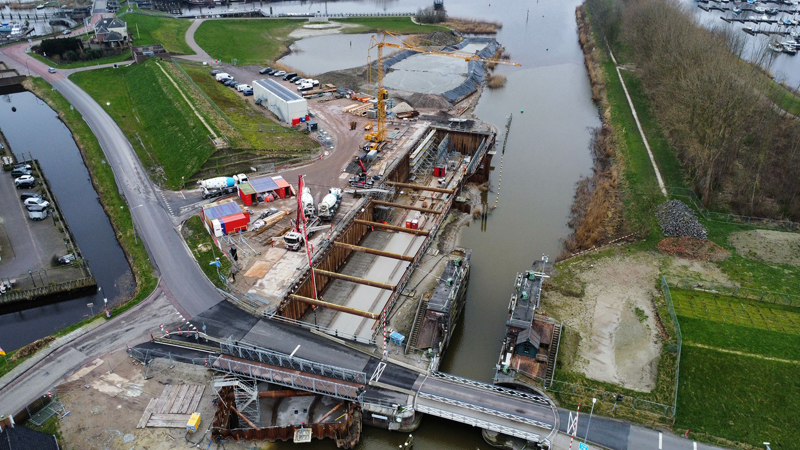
194	423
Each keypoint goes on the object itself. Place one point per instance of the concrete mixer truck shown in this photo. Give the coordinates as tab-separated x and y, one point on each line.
219	186
330	204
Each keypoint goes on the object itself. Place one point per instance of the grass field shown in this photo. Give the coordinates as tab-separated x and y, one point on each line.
256	130
204	251
169	32
249	41
740	360
170	140
264	41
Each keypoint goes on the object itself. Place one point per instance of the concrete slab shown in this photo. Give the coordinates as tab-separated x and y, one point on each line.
427	74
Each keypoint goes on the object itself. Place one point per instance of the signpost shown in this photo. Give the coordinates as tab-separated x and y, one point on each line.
583	446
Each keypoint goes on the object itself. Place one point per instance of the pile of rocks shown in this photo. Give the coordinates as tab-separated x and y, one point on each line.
677	220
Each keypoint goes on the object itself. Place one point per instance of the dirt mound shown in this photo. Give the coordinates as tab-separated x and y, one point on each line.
693	248
428	101
775	247
32	348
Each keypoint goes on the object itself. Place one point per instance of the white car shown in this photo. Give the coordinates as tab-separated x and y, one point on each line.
243	87
315	82
300	81
222	76
305	86
36	201
279	73
25	180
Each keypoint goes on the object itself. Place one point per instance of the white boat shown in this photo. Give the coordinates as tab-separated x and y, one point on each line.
789	49
776	47
760	9
40	7
737	10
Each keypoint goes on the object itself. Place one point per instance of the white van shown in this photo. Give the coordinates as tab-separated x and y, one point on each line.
222	76
243	87
305	87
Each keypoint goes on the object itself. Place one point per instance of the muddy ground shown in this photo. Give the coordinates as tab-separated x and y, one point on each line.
774	247
606	301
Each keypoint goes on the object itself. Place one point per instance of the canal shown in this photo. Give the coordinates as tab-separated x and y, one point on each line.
31	127
547	153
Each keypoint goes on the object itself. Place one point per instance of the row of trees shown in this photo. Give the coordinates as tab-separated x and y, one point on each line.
739	150
67	49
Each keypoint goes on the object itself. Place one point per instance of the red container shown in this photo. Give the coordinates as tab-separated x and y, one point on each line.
408	224
414	224
234	223
436	172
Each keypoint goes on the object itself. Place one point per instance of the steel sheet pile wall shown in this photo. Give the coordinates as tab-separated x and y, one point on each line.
476	73
469	144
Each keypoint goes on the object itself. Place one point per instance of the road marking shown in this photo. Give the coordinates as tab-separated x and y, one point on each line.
376	376
660	438
695	445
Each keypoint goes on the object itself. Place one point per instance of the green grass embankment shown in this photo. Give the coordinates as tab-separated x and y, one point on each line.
167	31
265	41
168	137
256	130
204	250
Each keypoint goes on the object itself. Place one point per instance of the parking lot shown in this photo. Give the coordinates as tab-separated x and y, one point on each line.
29	248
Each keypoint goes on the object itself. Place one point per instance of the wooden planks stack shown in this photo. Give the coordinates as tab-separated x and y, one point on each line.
173	407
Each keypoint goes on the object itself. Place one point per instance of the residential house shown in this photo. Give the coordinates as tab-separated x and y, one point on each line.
111	33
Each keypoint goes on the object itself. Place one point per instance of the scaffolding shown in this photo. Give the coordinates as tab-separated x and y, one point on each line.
245	393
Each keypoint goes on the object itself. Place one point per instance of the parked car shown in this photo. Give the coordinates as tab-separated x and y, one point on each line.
272	72
51	70
315	82
37	212
247	92
222	76
25	182
27	195
20	172
293	79
215	71
299	81
305	87
289	75
36	202
279	73
66	32
21	165
69	258
229	82
243	87
235	84
265	70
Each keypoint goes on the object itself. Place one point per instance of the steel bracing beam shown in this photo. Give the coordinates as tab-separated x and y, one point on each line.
421	188
340	276
392	227
334	306
413	208
372	251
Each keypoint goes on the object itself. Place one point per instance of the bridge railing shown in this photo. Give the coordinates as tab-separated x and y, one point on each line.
542	400
475	422
291	362
288	378
485	410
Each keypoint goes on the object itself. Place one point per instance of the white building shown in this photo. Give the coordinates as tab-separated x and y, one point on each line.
289	106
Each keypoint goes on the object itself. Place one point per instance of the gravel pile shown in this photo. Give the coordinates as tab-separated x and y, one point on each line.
677	220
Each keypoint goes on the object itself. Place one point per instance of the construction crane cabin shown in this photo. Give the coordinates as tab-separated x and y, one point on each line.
377	137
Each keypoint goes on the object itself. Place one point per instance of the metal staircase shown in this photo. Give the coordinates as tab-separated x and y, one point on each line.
412	341
245	394
553	353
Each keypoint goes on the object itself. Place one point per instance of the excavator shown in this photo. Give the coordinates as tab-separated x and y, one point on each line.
361	180
378	136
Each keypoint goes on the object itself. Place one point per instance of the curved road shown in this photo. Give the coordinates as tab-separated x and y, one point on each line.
181	277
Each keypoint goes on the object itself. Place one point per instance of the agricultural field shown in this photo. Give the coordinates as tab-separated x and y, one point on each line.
739	361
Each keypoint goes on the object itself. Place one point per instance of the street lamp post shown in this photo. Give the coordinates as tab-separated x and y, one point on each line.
588	424
91	307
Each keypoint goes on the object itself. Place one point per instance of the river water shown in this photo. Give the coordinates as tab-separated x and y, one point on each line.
546	154
35	128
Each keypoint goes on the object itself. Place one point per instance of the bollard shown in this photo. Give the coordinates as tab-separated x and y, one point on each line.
167	331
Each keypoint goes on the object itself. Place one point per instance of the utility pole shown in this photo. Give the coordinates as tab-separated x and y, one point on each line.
588	424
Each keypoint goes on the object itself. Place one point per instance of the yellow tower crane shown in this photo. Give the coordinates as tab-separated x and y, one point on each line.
379	135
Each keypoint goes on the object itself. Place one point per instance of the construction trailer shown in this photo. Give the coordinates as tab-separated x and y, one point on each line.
289	106
224	217
264	189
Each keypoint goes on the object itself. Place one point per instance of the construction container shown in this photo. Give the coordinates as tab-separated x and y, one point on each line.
235	223
194	423
397	338
415	224
439	171
408	224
